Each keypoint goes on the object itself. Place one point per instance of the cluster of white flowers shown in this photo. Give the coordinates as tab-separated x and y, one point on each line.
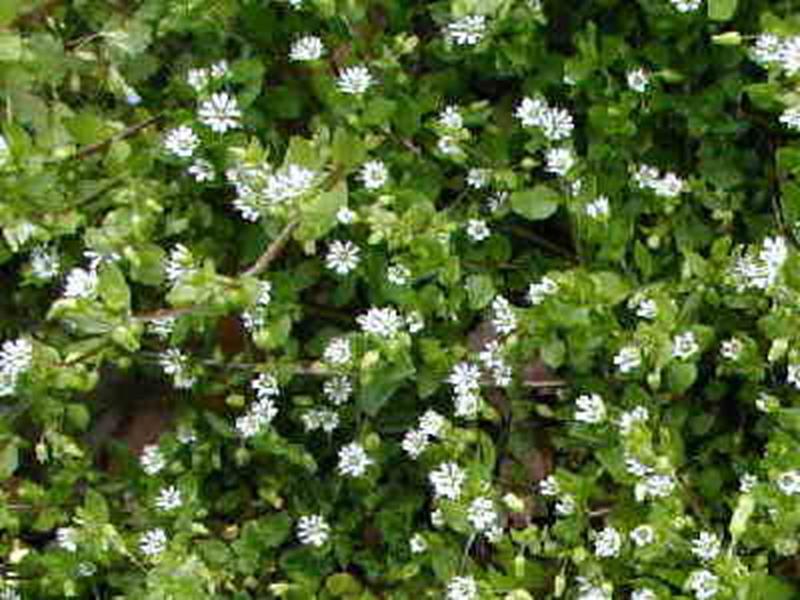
353	460
181	141
760	271
559	161
374	174
686	6
308	47
654	485
638	80
169	498
201	170
668	185
629	419
447	480
67	538
338	352
703	584
706	546
398	275
291	182
81	283
152	459
494	362
220	112
466	31
381	322
555	123
538	292
607	543
320	418
199	78
482	515
589	591
478	178
590	409
771	50
45	263
791	118
462	588
342	257
549	486
153	542
263	410
338	390
313	530
685	345
504	320
177	364
598	209
256	317
629	358
788	482
355	80
466	381
451	127
16	358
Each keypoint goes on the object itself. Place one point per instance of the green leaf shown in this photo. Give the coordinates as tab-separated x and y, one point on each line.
535	204
9	459
10	46
114	289
480	291
319	213
681	376
342	584
380	384
721	10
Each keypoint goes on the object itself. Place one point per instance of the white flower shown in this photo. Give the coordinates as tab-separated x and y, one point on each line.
5	151
629	419
608	543
637	468
706	546
465	377
747	483
338	390
374	174
447	480
294	181
432	423
599	208
496	201
355	80
788	482
175	363
16	357
414	443
628	359
767	49
481	514
590	409
549	486
503	318
381	322
731	349
181	141
448	145
566	505
437	518
179	264
265	386
684	345
559	161
169	498
325	419
185	434
81	284
220	69
353	460
345	216
45	263
493	361
338	351
685	6
198	79
201	170
477	230
537	292
466	31
478	178
557	124
415	322
313	530
643	535
398	274
791	117
342	257
85	569
462	588
67	538
531	111
220	113
638	80
309	47
704	584
592	592
450	118
152	460
644	594
667	186
153	542
654	486
645	307
418	544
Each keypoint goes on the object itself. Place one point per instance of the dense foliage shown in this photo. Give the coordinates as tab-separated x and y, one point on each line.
463	299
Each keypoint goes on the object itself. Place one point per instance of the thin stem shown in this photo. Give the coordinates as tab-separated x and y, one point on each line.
122	135
273	251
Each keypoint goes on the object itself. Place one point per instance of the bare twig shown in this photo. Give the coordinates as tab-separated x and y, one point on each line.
122	135
273	251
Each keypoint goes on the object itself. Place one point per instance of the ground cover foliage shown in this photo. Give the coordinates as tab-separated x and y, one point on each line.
397	299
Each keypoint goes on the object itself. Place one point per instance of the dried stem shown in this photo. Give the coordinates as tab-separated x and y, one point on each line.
273	251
